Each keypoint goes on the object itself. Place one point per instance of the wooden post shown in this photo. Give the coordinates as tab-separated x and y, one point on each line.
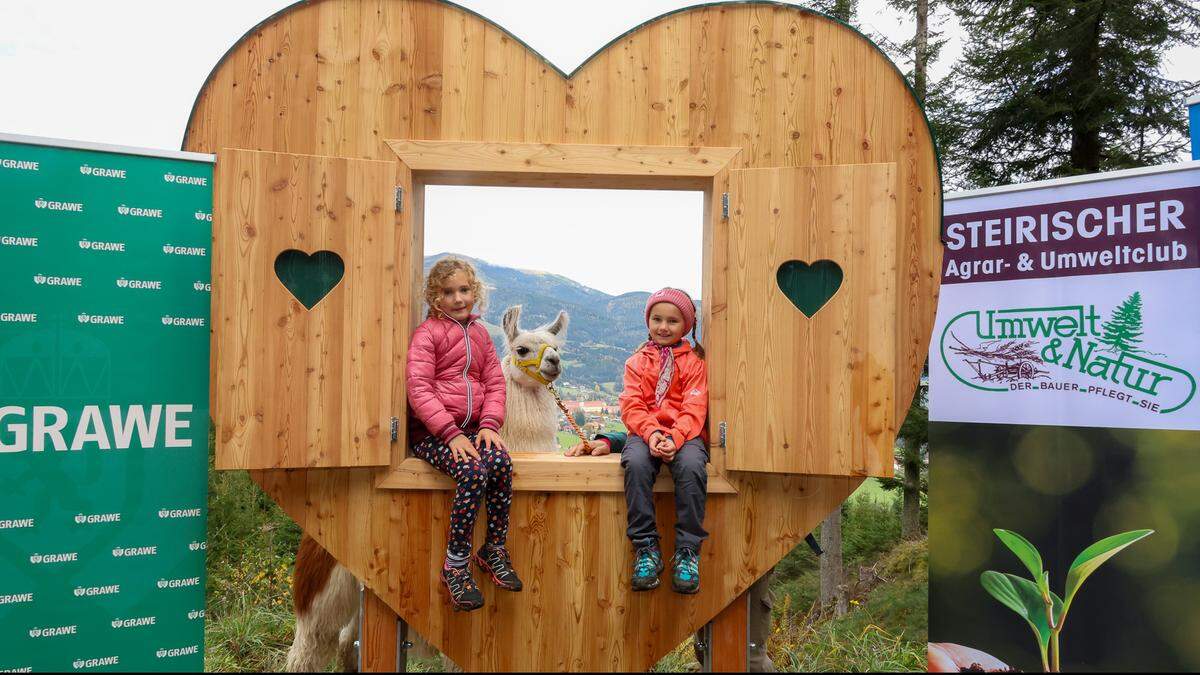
727	647
379	638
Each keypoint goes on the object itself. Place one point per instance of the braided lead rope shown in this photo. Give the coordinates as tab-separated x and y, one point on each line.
563	408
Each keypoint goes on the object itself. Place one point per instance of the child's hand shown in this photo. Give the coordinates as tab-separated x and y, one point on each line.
667	449
462	450
594	448
490	439
655	441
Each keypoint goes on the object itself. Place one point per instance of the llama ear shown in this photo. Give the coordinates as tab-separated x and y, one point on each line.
510	322
560	324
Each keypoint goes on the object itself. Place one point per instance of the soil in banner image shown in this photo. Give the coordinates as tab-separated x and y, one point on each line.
1063	489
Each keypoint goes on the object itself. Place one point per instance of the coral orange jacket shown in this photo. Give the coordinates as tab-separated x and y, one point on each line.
684	409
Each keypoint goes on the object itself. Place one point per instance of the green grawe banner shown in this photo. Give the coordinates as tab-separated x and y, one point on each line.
104	305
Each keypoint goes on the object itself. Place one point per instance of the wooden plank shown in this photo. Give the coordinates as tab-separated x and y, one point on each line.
731	637
299	387
475	157
378	642
811	395
545	472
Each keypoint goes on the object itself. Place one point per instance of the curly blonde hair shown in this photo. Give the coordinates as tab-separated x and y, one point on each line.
437	276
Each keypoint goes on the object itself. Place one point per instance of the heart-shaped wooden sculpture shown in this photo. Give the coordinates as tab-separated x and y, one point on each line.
309	277
809	287
789	88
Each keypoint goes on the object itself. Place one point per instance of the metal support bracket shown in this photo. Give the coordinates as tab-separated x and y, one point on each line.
399	199
395	429
721	429
402	645
724	206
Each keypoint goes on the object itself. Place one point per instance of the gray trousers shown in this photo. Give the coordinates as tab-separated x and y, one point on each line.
691	491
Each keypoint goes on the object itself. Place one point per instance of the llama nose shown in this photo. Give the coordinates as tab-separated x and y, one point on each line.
552	359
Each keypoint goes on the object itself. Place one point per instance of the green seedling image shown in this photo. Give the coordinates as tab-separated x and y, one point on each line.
1032	599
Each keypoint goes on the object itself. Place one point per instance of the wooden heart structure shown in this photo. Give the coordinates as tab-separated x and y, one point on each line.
808	146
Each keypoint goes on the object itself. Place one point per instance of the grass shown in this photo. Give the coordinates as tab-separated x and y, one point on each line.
886	629
871	488
251	552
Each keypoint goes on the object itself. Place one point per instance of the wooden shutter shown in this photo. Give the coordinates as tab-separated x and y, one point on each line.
811	395
295	386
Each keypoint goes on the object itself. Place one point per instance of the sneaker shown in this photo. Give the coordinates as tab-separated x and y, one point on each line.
495	561
647	565
464	594
685	571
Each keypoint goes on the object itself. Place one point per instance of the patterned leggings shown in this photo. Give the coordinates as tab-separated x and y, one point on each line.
488	479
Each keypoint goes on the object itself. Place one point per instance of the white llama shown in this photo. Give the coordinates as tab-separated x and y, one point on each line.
531	362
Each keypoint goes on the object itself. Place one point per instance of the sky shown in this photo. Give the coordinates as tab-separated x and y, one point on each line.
126	72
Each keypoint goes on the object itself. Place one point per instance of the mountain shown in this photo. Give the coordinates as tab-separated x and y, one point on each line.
604	329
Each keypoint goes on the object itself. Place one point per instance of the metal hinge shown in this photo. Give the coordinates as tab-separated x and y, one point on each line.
399	199
395	429
721	431
724	206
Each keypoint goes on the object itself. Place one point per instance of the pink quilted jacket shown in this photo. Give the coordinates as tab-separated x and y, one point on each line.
455	384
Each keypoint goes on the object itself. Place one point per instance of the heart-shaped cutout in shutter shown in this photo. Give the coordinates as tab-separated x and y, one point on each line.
809	287
309	277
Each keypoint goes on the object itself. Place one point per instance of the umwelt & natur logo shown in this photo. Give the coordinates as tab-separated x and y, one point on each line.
202	286
101	172
201	215
54	205
1069	348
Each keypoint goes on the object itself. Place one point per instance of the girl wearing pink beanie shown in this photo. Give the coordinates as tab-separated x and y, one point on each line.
665	406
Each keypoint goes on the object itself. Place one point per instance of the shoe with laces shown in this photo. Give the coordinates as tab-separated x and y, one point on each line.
647	565
685	571
495	562
464	594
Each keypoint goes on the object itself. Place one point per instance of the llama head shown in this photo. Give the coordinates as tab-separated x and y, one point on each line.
533	351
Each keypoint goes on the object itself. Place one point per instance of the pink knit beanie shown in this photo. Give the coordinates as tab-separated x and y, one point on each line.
678	298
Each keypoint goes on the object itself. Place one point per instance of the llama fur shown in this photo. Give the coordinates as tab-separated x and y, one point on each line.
326	598
530	412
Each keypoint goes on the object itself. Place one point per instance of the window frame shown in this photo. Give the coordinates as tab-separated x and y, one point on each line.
566	165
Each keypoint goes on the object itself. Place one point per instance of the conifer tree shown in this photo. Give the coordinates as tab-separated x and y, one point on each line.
1061	87
1123	332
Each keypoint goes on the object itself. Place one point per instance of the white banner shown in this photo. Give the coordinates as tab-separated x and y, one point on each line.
1072	303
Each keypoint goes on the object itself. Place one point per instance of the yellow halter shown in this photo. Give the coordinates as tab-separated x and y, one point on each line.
532	365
